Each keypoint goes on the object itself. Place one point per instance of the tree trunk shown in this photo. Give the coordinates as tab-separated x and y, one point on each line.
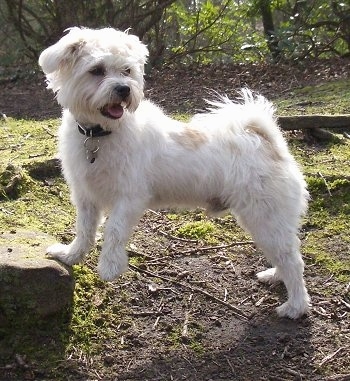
269	29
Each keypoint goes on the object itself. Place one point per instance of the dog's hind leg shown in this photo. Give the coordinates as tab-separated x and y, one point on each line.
275	234
88	218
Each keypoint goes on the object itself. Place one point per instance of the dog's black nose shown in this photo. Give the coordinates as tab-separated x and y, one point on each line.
122	91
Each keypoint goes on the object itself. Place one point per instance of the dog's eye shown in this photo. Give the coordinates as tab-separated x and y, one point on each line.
98	71
126	72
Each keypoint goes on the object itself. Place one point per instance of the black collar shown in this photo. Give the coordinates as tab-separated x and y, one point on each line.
94	131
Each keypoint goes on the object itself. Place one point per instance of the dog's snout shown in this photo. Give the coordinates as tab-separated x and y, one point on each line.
122	91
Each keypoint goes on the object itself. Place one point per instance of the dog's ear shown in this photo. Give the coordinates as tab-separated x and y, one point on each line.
64	52
136	46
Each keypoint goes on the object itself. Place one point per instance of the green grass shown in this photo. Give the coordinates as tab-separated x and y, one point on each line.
327	169
327	98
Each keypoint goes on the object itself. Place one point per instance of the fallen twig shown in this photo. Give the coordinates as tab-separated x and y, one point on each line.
177	238
338	377
218	247
49	132
33	156
297	122
133	253
184	333
234	309
325	183
149	313
330	357
295	373
347	305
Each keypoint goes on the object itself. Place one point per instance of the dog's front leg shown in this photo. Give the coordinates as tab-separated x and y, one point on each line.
88	218
113	260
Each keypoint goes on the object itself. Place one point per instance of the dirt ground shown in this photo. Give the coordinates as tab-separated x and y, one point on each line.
183	322
180	90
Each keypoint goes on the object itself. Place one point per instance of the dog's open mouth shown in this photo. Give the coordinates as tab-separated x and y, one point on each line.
112	111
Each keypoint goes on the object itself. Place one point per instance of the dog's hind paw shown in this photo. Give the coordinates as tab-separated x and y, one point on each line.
291	311
64	254
268	276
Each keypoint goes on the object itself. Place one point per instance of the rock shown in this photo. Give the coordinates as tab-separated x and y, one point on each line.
31	284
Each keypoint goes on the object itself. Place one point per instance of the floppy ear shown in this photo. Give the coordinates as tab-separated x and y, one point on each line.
137	47
63	52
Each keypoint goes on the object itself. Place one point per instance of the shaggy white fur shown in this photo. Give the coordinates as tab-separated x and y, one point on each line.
232	157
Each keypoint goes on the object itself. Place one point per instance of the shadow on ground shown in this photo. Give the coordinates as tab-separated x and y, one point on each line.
280	348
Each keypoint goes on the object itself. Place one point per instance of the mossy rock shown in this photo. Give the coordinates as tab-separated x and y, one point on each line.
31	285
13	182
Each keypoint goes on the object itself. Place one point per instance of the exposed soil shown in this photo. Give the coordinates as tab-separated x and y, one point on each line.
182	90
181	322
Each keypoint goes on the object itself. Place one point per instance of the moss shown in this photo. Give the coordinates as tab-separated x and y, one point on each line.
136	260
196	225
173	216
14	182
95	312
315	249
316	185
191	340
196	230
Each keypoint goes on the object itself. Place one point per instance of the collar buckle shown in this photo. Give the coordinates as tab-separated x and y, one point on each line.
94	131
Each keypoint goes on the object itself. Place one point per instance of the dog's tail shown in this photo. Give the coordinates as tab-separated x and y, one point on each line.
249	113
251	119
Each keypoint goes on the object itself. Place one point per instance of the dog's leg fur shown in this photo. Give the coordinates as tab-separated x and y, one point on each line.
289	268
113	259
273	224
88	218
281	248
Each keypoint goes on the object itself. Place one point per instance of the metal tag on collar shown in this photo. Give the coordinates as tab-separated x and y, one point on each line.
91	148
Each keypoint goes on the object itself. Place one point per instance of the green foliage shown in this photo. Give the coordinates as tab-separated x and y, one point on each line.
313	29
205	31
210	32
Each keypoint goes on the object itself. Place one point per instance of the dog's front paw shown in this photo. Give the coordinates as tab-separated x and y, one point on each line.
110	269
64	254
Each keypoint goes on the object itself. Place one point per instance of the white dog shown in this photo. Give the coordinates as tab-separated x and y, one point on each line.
122	155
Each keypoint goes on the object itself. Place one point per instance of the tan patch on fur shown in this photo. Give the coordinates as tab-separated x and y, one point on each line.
190	138
267	139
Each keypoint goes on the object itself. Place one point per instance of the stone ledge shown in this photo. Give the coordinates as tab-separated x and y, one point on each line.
31	283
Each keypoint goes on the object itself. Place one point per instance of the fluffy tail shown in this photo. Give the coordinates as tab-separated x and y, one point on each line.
245	97
248	113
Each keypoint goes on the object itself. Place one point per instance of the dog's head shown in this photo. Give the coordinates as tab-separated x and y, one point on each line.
96	73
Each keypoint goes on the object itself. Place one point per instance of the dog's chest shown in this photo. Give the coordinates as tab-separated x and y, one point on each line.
110	173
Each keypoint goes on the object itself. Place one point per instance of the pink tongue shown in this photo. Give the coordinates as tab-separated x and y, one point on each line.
116	111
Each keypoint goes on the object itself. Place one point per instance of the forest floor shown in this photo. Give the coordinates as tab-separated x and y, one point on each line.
181	90
190	308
